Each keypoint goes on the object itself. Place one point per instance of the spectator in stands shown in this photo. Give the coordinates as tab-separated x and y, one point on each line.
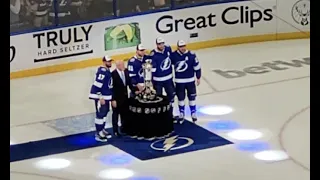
15	7
19	17
27	14
160	4
181	2
66	12
75	10
190	2
97	9
203	1
129	6
39	10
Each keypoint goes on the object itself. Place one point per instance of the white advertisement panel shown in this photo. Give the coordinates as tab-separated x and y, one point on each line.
294	16
51	47
114	37
218	21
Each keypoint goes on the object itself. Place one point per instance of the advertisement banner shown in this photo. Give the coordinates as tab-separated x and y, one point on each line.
202	25
214	22
63	43
122	36
294	16
52	47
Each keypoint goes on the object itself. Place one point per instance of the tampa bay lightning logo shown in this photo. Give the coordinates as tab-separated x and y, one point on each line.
172	143
140	72
110	83
181	66
165	64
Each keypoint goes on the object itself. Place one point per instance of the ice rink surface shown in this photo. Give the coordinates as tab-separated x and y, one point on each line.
268	91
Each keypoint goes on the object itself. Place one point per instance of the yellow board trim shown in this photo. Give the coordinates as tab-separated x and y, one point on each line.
191	46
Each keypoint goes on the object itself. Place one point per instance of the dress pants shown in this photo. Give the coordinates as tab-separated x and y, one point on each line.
115	119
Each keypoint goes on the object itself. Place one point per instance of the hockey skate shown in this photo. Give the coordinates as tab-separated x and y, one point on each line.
181	118
175	119
102	136
194	117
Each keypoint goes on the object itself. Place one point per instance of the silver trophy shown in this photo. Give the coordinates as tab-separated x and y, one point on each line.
148	93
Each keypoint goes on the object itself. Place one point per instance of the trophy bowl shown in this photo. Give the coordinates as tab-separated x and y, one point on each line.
148	93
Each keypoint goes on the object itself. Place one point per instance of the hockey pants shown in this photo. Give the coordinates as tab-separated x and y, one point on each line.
191	90
101	114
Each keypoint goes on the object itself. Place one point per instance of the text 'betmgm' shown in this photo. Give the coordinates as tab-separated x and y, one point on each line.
263	68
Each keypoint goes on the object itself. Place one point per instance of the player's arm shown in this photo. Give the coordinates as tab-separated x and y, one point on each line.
169	49
128	79
113	89
197	67
132	87
98	82
173	58
133	74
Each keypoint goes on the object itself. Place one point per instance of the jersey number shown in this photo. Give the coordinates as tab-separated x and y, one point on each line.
63	3
130	68
101	77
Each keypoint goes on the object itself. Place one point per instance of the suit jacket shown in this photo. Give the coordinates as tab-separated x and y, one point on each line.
120	91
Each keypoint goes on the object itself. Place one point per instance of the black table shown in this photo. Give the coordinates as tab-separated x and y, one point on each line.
148	119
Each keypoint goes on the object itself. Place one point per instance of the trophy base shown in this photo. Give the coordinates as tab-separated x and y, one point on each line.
148	95
154	118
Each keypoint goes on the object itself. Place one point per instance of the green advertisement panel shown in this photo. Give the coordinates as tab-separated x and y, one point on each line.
122	36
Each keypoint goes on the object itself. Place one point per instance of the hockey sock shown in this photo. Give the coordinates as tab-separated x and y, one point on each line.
100	123
192	105
181	107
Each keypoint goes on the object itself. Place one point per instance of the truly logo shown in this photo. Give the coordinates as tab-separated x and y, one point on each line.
263	68
63	43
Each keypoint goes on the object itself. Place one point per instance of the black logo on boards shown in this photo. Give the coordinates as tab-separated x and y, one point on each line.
301	12
63	43
12	53
230	16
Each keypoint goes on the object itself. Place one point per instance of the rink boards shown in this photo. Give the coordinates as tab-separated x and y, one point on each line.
83	45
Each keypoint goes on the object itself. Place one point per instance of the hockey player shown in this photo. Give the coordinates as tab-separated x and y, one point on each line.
135	68
186	66
101	93
162	77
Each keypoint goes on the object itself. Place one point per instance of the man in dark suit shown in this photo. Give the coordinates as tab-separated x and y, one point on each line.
121	82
